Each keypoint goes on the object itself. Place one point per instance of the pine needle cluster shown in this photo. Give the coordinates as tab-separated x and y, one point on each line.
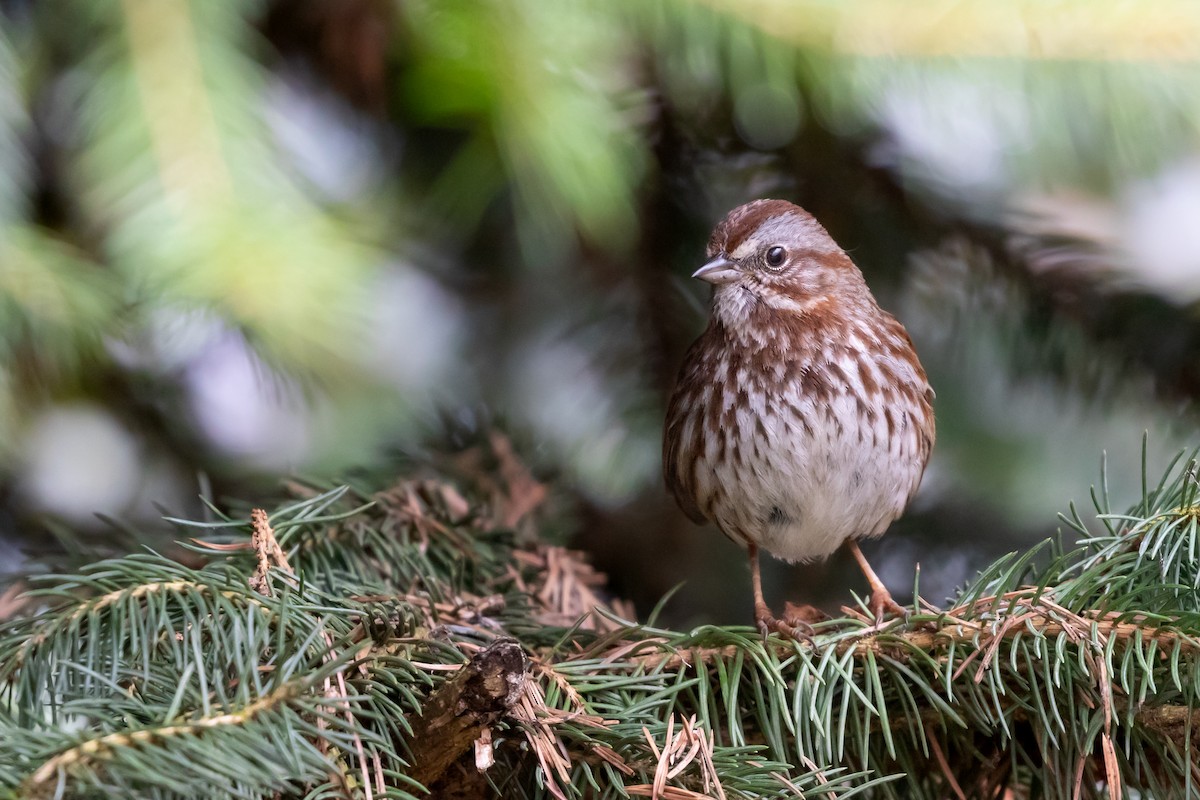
416	641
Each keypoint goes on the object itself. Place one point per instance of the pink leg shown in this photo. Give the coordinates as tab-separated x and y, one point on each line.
881	598
762	613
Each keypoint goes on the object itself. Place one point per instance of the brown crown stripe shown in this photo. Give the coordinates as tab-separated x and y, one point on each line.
736	228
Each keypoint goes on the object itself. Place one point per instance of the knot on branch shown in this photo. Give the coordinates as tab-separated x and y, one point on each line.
459	711
493	679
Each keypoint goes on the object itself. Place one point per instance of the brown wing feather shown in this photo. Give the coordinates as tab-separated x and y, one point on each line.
922	397
673	475
682	493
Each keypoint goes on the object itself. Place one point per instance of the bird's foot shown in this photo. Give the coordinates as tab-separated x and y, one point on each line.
881	602
792	627
803	616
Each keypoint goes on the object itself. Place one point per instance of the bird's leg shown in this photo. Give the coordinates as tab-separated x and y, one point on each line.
881	599
762	612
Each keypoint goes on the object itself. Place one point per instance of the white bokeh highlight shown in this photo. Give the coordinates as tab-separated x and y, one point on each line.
80	461
954	134
417	328
246	409
324	139
1161	232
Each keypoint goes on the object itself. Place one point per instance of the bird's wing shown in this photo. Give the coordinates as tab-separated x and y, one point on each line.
674	476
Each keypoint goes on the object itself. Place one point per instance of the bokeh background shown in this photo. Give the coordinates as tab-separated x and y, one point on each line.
249	238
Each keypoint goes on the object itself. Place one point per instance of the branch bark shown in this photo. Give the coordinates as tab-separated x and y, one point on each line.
458	713
932	640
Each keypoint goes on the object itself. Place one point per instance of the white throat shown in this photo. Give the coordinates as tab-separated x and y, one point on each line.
732	304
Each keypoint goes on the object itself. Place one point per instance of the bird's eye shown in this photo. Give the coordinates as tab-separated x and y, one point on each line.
776	256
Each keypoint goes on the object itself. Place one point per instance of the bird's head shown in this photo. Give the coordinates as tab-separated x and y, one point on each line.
774	254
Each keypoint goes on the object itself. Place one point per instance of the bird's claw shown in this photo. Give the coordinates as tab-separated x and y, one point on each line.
792	628
881	601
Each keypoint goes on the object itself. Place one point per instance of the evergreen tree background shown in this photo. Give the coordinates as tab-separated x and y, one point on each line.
250	239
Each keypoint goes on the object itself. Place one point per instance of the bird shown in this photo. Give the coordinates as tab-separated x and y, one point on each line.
801	420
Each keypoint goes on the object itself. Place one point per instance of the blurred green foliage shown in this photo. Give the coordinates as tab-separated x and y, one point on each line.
267	235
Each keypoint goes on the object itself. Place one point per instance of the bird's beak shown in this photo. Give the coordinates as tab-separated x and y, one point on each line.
718	271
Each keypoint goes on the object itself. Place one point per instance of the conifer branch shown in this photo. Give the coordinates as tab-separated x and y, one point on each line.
897	638
96	605
1075	670
42	781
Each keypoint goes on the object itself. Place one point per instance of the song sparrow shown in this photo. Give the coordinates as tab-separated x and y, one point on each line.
801	418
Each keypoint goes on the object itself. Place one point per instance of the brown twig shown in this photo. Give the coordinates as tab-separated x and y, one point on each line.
515	494
266	547
336	691
566	587
943	764
551	753
12	600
